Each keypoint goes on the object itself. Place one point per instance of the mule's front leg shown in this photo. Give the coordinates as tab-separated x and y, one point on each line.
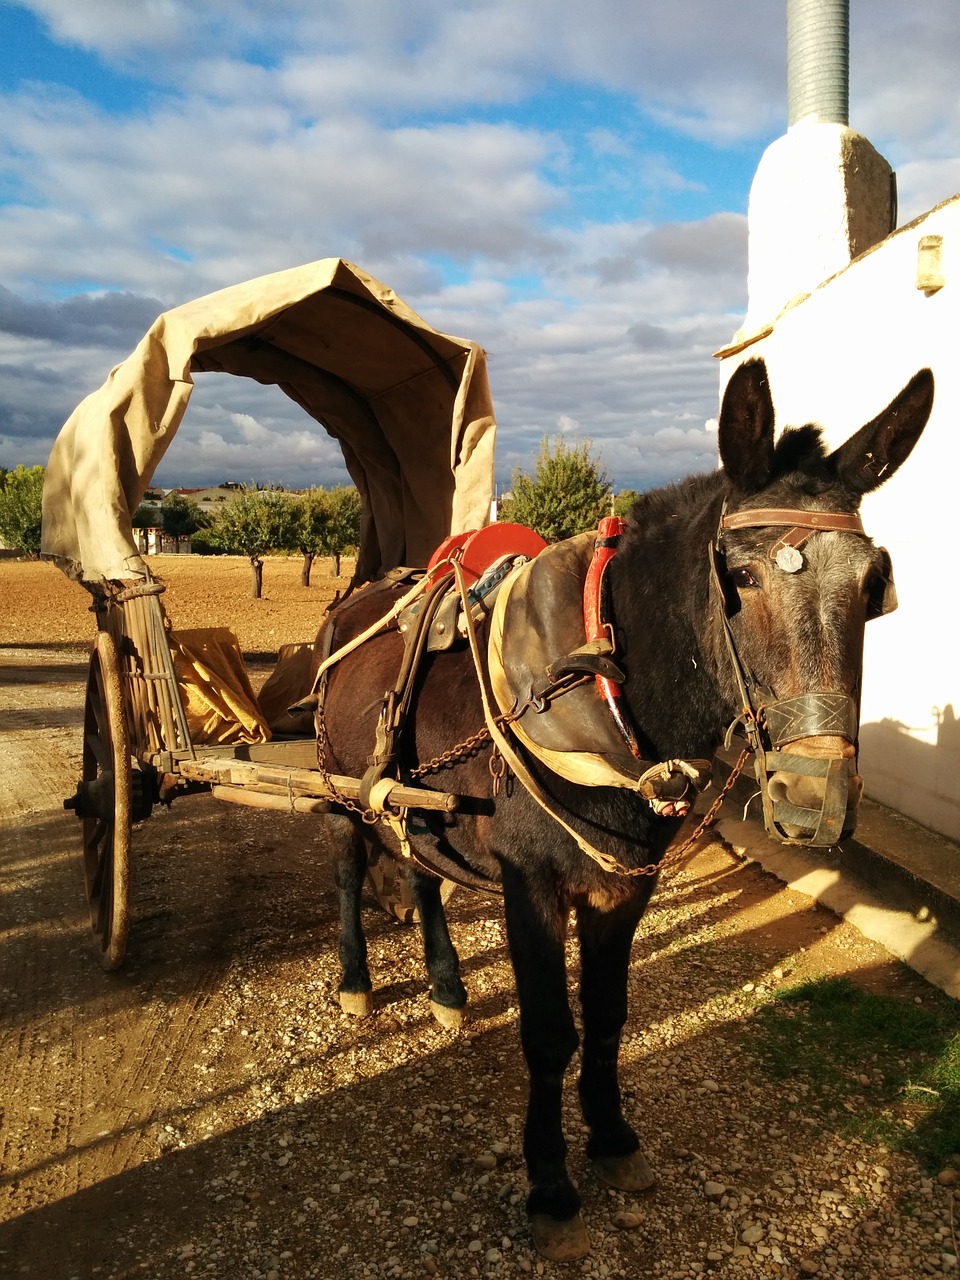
605	941
448	995
349	871
536	930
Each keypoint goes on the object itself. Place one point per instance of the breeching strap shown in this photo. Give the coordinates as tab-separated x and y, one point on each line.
375	628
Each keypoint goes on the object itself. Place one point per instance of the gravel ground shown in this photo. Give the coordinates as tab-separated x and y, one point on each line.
210	1112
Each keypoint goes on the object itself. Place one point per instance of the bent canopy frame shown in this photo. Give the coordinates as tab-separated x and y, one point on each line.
409	406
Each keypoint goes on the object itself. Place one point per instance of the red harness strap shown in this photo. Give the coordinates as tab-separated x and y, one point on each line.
597	625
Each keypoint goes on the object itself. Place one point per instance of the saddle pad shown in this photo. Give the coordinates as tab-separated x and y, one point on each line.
537	619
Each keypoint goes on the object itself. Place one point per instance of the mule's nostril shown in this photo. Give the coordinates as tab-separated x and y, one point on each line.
778	788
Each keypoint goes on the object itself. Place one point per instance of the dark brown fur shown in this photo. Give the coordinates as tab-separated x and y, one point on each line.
797	631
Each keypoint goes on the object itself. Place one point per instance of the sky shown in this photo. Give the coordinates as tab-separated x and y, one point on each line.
566	184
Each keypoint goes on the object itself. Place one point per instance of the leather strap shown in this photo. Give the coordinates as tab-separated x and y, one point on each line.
597	624
810	715
763	517
799	524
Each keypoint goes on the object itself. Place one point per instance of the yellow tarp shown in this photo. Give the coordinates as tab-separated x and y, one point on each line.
219	701
410	407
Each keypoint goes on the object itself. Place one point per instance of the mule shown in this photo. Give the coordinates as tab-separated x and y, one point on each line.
739	595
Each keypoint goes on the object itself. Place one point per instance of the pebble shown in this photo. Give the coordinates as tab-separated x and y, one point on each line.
432	1183
625	1220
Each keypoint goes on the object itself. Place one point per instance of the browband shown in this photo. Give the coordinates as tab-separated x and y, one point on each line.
847	522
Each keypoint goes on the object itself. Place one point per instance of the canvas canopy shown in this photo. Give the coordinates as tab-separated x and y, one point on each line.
410	407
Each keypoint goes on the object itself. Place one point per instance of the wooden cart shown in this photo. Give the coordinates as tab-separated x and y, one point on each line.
137	750
411	409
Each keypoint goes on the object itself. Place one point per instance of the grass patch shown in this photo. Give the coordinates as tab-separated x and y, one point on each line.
890	1066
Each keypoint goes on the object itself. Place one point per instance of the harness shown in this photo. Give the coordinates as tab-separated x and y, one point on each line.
551	653
447	602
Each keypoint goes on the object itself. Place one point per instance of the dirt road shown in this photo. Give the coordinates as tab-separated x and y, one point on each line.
209	1111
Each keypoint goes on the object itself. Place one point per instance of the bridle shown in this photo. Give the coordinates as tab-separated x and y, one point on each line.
770	722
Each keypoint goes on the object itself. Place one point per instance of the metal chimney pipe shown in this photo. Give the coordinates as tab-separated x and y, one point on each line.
818	61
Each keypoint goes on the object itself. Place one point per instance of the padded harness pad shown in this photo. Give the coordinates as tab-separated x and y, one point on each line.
538	621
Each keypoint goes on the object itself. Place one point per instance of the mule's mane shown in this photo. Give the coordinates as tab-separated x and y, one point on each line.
678	502
800	462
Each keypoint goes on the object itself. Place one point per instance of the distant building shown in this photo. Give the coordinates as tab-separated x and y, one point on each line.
152	541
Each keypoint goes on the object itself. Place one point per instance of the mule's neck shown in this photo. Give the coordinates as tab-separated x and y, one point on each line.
669	640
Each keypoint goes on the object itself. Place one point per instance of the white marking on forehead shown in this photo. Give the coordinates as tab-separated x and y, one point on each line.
789	559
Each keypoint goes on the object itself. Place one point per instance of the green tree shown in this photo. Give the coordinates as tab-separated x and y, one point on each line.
253	524
328	523
343	532
624	501
181	517
21	508
312	531
567	494
146	517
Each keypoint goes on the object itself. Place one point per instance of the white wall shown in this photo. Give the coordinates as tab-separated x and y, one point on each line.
838	358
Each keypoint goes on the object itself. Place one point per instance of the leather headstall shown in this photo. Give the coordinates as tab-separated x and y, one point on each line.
771	723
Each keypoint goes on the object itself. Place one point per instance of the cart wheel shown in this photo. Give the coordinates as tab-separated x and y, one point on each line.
391	886
103	803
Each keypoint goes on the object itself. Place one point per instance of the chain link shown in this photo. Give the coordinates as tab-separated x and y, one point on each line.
479	741
369	816
476	742
710	816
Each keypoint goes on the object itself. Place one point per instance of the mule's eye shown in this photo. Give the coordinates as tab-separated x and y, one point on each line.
743	579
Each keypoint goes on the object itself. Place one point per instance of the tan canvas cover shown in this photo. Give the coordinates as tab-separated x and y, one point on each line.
289	681
410	407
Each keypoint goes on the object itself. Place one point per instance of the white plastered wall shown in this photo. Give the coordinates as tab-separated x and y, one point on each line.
837	358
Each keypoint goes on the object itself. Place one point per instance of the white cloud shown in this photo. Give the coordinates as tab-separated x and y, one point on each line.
413	139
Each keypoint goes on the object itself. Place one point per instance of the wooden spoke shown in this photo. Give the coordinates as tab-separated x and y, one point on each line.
106	784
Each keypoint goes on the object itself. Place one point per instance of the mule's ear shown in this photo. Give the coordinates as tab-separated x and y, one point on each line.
746	427
872	455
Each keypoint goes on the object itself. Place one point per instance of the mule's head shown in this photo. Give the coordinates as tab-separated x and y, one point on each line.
796	579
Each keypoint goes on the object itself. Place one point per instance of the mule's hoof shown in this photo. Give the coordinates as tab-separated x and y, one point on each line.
626	1173
359	1004
452	1019
560	1241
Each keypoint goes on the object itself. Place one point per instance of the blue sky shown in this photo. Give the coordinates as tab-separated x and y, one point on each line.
565	184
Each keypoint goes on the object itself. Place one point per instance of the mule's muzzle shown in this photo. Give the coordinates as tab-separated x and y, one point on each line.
808	777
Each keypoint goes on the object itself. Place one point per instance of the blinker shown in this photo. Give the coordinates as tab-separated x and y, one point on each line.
883	596
722	581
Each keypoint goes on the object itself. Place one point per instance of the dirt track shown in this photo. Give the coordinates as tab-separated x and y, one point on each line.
209	1111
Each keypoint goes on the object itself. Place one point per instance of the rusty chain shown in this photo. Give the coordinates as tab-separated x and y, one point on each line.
711	814
479	741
